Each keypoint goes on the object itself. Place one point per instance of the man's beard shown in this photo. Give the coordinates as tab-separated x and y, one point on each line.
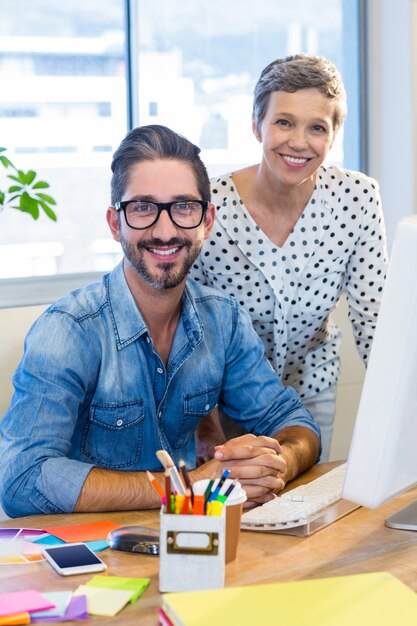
169	277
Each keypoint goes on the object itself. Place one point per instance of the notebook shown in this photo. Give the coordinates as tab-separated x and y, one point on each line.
377	599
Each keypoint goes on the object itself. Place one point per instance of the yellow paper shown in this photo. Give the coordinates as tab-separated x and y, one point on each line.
136	586
104	601
362	600
14	620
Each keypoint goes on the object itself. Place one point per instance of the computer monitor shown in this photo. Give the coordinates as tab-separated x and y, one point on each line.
382	460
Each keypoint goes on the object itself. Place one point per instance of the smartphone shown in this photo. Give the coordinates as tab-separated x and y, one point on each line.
73	558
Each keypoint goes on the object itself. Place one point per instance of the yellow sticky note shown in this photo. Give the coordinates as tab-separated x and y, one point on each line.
14	620
106	602
136	586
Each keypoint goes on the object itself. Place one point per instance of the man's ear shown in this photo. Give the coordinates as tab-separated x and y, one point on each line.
255	130
209	220
113	222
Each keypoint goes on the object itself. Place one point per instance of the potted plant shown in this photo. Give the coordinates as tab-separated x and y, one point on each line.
25	193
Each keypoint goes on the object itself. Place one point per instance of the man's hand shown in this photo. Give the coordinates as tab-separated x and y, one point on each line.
257	463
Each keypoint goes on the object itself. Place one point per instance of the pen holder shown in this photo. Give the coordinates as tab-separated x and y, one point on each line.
192	549
234	507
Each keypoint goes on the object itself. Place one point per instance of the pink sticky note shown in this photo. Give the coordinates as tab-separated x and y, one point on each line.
21	601
83	532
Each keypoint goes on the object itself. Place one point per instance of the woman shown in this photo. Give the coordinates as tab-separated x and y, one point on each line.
292	234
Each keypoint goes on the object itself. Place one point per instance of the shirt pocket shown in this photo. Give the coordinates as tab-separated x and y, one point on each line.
196	406
112	435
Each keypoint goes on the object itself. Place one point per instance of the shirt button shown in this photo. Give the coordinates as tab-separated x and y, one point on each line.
148	340
160	414
119	423
159	370
206	408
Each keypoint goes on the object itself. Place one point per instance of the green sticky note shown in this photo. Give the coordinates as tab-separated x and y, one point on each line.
136	585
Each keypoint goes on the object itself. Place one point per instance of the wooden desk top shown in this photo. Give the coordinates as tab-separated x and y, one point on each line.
357	543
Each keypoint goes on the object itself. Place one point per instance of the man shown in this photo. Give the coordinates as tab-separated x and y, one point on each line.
117	370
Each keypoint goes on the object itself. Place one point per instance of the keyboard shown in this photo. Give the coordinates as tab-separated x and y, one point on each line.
304	509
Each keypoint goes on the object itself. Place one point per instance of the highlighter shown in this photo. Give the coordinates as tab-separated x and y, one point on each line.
198	508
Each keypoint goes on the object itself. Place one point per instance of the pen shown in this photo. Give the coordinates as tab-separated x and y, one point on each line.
219	485
168	463
155	484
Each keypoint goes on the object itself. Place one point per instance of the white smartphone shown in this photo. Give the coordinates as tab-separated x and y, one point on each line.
73	558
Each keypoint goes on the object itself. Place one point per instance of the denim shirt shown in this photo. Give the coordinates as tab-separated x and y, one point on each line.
91	390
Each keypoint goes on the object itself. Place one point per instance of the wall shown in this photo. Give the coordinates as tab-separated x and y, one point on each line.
14	324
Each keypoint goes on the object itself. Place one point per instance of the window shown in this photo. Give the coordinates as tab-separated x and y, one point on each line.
62	113
63	100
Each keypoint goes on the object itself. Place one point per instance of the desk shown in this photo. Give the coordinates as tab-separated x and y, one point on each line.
355	544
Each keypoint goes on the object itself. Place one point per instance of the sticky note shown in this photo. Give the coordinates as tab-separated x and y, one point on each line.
107	602
76	610
21	601
60	599
83	532
14	620
136	585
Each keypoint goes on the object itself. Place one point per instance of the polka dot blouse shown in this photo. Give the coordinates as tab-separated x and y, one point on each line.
338	244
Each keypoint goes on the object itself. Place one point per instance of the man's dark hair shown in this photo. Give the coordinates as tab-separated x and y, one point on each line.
147	143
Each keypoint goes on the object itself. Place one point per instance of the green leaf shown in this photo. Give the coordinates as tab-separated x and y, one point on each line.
29	205
14	188
49	212
45	198
41	184
27	178
16	178
1	197
6	162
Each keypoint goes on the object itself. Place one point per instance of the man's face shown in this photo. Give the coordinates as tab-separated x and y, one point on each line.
162	254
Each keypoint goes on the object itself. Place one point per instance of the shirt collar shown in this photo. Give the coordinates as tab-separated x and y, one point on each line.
129	324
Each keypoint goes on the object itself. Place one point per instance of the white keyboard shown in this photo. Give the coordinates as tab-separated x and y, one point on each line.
304	509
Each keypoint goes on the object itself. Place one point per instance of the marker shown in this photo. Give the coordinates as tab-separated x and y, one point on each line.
219	485
155	484
187	502
168	463
198	508
179	503
214	508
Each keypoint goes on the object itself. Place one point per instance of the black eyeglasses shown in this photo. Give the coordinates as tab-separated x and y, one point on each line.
140	214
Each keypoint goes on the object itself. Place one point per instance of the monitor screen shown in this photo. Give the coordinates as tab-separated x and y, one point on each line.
382	459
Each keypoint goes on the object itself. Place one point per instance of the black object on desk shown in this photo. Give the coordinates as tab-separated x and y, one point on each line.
136	539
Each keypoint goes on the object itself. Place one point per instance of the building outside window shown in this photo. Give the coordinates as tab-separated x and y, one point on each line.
63	102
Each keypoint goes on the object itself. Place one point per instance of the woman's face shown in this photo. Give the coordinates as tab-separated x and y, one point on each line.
297	133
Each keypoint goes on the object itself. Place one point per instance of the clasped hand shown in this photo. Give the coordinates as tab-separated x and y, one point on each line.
257	463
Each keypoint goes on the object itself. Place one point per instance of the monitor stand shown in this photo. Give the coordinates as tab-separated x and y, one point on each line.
404	519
